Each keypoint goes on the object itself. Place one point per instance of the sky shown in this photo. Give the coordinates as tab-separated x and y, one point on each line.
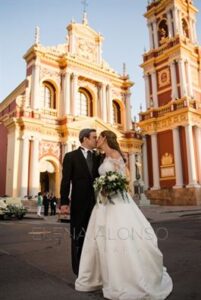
121	22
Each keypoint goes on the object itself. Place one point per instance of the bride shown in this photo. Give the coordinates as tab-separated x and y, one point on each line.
120	252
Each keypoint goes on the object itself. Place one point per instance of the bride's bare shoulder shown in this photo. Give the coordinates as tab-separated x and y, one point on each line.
115	154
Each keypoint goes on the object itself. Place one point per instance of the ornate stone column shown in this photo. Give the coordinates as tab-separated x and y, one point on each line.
180	29
198	150
24	166
169	21
34	183
145	164
177	158
74	92
147	90
61	111
154	147
173	80
150	35
71	42
109	105
99	58
189	75
65	149
155	34
103	102
128	111
13	162
191	33
190	156
182	77
99	100
195	39
132	170
154	88
35	86
175	20
66	96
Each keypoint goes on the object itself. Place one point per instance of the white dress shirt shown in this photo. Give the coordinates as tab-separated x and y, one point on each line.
84	151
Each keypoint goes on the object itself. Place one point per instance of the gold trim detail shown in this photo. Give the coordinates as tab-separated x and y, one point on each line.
167	178
167	159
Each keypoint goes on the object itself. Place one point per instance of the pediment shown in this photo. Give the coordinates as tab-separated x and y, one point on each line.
85	42
83	30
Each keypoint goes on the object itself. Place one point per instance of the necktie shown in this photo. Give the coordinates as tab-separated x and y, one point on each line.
89	161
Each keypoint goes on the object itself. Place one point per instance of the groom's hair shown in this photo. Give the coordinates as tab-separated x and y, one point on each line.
85	133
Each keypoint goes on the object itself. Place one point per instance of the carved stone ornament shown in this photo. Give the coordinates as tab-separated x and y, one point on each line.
164	77
49	148
87	49
167	159
167	172
51	74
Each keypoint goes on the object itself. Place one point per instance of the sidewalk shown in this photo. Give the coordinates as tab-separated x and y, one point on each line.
45	266
154	213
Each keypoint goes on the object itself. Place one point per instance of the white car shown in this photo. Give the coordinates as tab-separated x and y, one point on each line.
10	206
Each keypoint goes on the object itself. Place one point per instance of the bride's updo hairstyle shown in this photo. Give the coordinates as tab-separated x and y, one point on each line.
112	141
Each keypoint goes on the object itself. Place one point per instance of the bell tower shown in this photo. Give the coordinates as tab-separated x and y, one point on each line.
171	123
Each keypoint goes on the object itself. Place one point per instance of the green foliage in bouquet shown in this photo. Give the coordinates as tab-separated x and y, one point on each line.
109	185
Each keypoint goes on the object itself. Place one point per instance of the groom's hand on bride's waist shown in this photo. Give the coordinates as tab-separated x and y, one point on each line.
65	210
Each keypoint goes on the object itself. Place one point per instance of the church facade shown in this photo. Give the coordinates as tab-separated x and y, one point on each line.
171	124
67	88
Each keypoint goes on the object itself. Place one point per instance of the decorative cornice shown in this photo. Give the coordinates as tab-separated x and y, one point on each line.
157	5
170	120
13	95
174	48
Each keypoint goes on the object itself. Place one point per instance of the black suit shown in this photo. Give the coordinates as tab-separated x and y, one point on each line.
75	171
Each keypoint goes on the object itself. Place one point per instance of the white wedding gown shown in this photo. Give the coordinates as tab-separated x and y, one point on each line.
120	252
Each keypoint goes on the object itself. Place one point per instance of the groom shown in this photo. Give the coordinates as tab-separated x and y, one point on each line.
80	168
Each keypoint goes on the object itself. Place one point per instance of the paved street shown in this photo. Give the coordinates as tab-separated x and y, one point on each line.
35	256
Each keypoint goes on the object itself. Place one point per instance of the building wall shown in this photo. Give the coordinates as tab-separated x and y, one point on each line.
3	156
149	160
184	155
164	98
165	145
42	129
12	170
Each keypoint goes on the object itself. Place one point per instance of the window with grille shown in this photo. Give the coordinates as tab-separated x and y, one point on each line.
83	103
48	96
116	113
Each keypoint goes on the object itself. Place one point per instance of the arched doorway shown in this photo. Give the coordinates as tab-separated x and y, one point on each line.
47	176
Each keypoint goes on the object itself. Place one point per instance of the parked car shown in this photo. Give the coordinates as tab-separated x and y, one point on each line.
11	207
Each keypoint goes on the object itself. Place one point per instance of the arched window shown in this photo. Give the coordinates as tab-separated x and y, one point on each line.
48	96
162	30
116	112
84	103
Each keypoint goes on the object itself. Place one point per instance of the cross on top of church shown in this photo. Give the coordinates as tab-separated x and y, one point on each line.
85	4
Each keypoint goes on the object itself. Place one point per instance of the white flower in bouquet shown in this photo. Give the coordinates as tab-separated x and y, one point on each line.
112	177
109	185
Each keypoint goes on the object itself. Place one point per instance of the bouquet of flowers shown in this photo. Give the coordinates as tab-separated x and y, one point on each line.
109	185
